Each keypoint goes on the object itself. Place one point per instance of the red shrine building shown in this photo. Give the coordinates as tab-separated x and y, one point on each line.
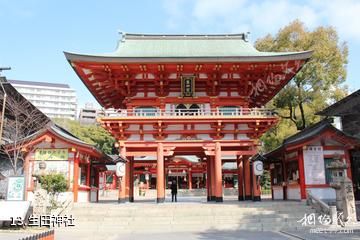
182	97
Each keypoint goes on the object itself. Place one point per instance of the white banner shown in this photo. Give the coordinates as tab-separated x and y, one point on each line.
314	165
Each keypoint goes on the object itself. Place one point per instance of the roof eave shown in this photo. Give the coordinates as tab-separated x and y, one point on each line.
73	57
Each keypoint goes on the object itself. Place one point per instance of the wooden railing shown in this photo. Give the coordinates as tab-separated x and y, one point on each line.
48	235
252	112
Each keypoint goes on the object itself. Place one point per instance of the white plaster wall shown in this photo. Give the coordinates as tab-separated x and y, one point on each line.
293	193
202	127
323	193
223	94
151	94
134	127
229	127
278	193
148	127
173	137
139	94
83	196
134	137
30	196
236	75
207	107
242	137
148	137
203	75
93	196
242	126
200	94
172	76
175	127
228	136
204	136
224	76
174	94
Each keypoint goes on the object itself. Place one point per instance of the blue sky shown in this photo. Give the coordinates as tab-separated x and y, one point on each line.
34	33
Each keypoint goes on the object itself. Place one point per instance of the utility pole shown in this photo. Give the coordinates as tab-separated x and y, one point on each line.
4	102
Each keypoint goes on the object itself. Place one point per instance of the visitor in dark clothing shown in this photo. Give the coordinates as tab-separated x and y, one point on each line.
173	191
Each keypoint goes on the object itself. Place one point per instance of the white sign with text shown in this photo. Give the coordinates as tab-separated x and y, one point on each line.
314	165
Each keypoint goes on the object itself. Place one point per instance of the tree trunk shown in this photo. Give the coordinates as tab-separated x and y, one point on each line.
303	120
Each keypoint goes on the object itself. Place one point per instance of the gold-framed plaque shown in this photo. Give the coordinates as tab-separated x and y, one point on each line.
187	86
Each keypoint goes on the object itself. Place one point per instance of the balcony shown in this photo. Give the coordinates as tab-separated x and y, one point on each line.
193	113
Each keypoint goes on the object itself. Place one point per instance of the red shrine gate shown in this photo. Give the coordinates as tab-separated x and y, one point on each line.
181	95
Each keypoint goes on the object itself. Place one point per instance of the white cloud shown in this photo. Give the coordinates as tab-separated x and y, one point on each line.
264	16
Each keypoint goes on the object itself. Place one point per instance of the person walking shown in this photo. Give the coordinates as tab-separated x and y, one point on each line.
173	191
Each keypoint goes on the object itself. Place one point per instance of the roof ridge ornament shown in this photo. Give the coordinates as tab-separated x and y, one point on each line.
122	35
247	37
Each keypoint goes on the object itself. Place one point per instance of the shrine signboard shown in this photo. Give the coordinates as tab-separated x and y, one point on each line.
16	189
187	86
314	165
52	154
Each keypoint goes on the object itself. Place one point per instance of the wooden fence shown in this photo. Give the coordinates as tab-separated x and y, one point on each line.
48	235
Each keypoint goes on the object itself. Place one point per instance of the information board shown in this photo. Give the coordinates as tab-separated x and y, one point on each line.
16	188
48	154
314	165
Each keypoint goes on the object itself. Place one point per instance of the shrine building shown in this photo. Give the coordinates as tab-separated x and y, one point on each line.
187	106
303	162
54	150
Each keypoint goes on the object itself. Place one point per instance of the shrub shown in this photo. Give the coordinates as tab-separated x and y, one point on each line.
54	183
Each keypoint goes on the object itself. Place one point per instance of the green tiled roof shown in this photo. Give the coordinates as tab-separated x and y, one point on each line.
186	46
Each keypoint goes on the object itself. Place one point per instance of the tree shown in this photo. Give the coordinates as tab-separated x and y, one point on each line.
319	81
21	121
92	134
54	184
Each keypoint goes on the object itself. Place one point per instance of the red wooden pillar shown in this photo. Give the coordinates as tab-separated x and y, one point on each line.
190	179
27	174
76	176
88	172
127	179
160	187
218	173
301	173
247	180
212	178
131	177
256	187
348	163
240	171
122	180
208	179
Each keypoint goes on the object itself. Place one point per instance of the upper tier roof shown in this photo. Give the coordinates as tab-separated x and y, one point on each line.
187	46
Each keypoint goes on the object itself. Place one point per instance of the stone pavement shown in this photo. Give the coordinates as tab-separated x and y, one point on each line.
224	235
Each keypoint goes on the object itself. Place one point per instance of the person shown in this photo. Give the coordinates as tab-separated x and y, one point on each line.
173	191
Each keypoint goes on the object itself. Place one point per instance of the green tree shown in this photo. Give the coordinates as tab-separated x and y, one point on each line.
318	84
265	180
54	184
92	134
319	81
